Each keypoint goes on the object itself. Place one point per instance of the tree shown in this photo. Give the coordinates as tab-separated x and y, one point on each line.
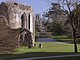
56	19
73	16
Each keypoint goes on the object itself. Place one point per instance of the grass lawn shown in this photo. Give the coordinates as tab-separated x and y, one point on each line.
61	37
49	49
65	39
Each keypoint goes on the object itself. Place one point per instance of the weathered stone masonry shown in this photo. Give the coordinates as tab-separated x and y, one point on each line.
14	18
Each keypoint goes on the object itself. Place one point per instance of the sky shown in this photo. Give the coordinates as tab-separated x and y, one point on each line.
39	6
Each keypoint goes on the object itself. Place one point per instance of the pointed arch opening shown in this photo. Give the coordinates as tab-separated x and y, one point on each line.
29	21
23	20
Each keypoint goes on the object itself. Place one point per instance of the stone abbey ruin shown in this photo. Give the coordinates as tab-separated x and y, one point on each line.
16	26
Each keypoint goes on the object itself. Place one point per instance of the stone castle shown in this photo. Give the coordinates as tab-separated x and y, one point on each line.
17	26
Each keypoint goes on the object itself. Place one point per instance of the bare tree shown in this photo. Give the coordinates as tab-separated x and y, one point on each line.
72	7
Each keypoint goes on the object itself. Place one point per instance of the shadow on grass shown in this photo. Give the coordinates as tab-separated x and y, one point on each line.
33	54
66	39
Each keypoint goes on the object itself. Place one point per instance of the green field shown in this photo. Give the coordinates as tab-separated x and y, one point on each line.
66	39
48	49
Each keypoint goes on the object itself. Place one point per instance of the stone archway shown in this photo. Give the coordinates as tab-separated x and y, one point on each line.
25	36
23	25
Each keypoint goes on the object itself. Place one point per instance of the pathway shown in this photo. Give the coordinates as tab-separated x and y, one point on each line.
61	56
46	40
50	40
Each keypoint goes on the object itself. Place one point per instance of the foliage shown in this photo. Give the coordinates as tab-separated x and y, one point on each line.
56	19
56	28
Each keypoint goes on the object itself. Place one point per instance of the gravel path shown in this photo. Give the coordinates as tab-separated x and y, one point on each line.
50	40
46	40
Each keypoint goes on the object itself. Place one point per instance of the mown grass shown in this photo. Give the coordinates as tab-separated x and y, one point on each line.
63	39
48	49
66	39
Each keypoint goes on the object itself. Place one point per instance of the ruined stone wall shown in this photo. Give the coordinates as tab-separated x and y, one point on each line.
8	37
10	22
15	12
4	10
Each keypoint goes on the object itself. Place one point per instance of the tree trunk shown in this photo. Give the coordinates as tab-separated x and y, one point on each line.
75	44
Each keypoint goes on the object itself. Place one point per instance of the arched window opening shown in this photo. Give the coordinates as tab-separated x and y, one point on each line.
29	21
23	20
